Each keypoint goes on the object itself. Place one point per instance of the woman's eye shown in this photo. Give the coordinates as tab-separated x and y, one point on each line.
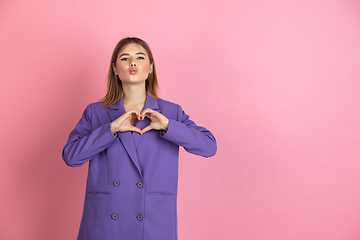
141	58
124	59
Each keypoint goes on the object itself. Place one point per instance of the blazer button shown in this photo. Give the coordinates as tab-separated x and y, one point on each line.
139	217
114	216
116	183
139	184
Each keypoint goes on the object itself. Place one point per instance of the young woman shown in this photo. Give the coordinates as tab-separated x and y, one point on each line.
131	140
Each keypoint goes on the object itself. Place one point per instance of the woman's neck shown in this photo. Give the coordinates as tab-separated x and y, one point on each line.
134	94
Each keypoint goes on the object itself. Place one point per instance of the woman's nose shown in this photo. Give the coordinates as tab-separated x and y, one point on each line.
133	64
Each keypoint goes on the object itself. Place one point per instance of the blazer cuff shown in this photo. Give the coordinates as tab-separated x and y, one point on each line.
171	133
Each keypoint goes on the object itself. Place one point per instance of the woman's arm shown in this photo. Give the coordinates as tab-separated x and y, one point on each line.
84	143
195	139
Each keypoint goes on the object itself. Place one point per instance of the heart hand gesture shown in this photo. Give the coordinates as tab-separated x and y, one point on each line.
123	123
158	121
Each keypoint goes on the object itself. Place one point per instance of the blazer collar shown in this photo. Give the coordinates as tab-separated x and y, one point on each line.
151	103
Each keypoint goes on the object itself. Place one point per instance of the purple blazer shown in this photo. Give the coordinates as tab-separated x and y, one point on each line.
131	190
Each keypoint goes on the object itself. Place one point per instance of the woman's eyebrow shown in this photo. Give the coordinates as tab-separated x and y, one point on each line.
126	54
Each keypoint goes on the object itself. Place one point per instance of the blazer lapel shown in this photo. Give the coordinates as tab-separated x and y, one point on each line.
126	139
149	103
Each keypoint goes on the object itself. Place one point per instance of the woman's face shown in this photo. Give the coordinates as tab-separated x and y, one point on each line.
132	64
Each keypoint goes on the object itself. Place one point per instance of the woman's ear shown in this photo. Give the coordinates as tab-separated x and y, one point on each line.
113	66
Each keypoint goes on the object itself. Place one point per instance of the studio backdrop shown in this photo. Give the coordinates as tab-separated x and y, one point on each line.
277	83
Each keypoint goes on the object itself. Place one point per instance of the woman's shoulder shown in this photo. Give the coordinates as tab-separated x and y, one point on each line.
164	104
170	109
95	107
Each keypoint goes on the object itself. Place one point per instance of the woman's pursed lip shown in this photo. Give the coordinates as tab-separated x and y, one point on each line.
133	70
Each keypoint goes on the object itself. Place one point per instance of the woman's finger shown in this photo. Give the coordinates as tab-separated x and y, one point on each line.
147	112
135	129
144	130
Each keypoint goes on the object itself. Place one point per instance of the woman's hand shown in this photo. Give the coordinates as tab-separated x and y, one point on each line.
123	124
158	121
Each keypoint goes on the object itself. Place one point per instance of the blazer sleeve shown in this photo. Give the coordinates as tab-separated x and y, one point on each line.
84	143
194	139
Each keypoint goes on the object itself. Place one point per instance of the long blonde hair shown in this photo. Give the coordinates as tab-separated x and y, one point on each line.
114	85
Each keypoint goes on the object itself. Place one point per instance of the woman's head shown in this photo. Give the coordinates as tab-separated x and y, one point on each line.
114	83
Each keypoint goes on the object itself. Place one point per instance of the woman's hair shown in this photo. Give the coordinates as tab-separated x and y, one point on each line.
114	85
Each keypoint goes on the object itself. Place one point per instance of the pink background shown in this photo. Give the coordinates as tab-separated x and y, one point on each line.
277	82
